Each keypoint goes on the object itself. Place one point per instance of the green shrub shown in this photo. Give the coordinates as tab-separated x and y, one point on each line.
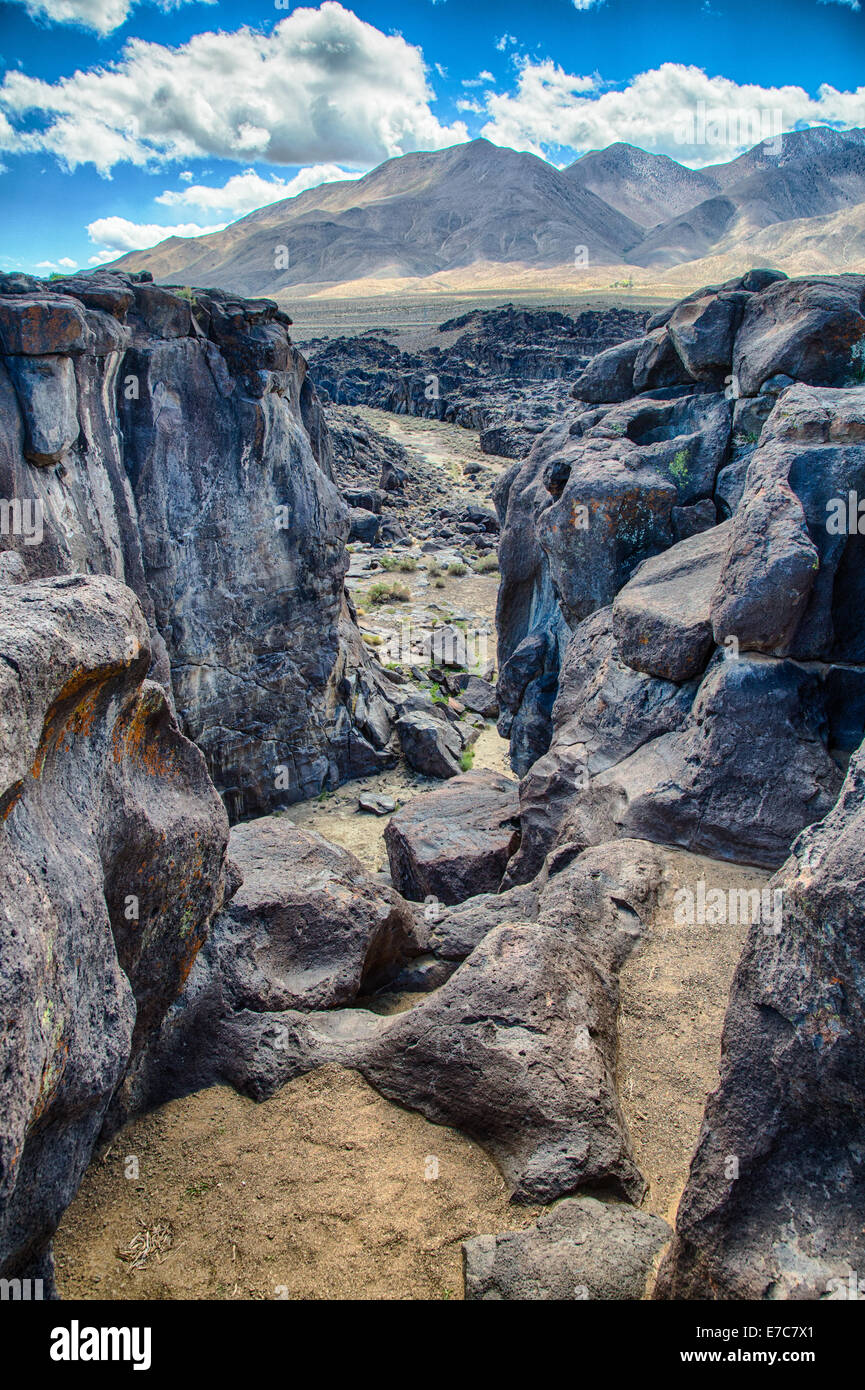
458	570
487	564
383	592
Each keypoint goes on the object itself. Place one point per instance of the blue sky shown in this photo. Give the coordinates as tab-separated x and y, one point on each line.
120	122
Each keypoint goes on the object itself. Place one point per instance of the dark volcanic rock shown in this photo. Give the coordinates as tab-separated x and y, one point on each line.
661	618
605	710
308	928
580	1248
754	724
773	1206
454	842
789	580
518	1050
112	847
430	744
177	443
805	329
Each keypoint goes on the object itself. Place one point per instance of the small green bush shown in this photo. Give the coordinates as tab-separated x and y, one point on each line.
383	592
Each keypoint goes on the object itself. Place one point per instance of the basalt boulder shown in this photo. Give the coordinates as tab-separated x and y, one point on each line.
580	1248
308	928
455	842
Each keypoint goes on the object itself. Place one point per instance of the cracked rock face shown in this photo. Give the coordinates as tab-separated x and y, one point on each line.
176	443
112	846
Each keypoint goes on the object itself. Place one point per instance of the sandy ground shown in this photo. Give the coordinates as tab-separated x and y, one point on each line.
325	1191
674	998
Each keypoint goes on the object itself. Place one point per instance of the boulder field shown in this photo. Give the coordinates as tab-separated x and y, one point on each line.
682	671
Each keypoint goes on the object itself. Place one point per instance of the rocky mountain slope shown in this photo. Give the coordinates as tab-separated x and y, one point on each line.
439	219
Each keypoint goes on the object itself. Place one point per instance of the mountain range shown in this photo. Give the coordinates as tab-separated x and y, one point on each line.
479	215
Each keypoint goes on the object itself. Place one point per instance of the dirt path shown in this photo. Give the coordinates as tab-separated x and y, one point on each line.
324	1191
674	998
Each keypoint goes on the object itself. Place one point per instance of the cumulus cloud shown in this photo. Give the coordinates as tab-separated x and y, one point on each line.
64	263
118	234
247	191
322	87
102	16
674	109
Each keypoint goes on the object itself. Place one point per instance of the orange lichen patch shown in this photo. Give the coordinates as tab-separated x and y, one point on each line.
69	713
188	959
10	800
131	736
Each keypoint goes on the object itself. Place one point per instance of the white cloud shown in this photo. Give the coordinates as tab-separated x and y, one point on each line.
553	108
101	257
322	87
64	263
247	191
118	234
102	16
481	80
473	106
851	4
503	42
587	4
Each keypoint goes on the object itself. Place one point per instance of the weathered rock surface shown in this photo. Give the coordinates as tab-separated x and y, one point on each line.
112	848
634	467
580	1248
748	770
430	744
804	328
308	928
790	579
604	712
455	842
517	1049
773	1206
176	443
661	618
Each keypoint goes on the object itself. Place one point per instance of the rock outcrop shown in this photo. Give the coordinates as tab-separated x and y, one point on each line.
716	704
659	447
112	850
173	440
504	372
